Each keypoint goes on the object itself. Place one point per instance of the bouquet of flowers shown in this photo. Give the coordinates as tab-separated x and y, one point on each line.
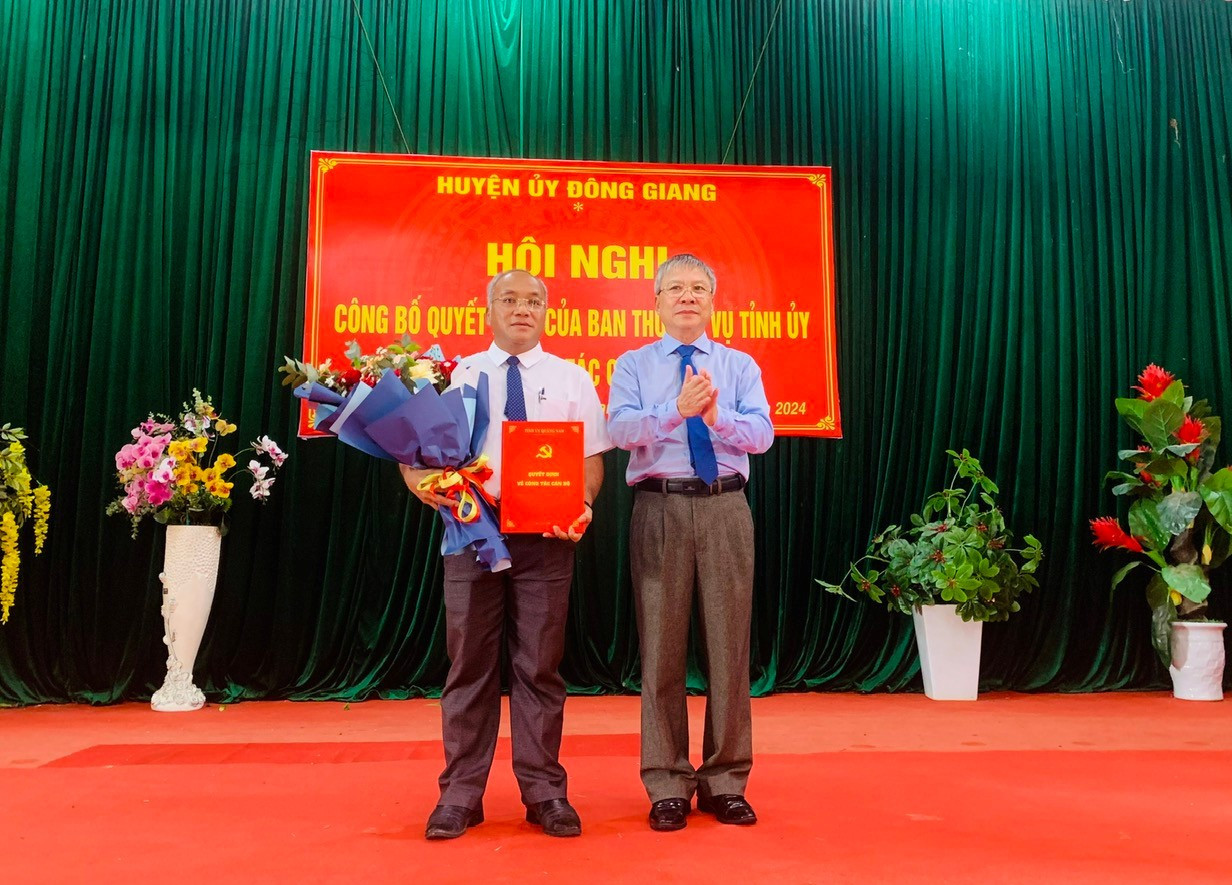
173	471
390	405
1181	516
20	501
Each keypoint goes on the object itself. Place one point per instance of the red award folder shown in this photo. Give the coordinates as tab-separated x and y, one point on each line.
543	481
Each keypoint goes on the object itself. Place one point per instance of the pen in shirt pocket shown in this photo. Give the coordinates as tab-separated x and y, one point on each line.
542	394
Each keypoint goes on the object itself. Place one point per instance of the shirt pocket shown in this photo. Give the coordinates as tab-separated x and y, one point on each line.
549	409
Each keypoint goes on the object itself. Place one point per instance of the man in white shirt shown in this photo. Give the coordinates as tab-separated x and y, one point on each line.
531	597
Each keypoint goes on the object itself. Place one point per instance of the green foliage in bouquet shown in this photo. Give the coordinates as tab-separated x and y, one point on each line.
404	358
958	550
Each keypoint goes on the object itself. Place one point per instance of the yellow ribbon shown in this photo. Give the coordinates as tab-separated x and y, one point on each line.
461	484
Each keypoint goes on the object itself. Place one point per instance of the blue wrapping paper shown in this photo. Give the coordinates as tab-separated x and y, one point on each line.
421	429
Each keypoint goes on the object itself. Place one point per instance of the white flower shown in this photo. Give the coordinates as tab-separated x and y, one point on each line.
267	446
423	369
257	469
261	489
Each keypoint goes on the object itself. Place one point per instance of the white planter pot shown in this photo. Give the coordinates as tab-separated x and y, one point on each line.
1197	660
949	652
190	571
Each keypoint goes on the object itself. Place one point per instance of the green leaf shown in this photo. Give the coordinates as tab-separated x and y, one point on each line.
1188	580
1175	394
1144	523
1136	455
1160	420
1180	450
1132	409
1157	591
835	588
1216	491
1166	465
1122	572
1177	511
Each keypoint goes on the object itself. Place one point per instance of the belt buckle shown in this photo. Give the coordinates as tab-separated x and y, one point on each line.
715	488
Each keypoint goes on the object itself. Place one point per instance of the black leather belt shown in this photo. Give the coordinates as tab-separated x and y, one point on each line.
692	485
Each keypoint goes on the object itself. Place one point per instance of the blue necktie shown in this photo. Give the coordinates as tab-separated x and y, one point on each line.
515	399
701	450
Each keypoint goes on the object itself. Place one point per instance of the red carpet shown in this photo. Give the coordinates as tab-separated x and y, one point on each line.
1013	788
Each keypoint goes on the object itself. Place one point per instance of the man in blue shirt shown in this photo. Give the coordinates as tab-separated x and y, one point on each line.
690	410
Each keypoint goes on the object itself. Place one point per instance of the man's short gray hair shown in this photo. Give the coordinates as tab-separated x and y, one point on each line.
684	259
495	281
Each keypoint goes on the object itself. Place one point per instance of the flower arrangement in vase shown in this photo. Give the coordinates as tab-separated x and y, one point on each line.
1180	516
174	472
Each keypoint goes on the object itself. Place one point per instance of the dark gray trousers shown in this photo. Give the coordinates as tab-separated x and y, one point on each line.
528	603
681	545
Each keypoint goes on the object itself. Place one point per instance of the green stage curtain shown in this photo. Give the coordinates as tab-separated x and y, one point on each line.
1033	201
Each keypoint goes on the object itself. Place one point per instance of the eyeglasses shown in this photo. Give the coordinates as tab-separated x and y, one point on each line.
508	302
676	291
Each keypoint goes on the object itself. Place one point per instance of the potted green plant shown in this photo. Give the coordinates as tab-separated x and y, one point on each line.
1180	521
953	569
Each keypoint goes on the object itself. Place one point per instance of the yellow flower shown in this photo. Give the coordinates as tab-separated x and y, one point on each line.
42	514
16	448
223	427
1176	597
199	444
9	566
224	462
181	450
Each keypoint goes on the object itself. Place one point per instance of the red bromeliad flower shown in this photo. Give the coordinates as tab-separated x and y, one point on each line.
1108	533
1191	431
1153	382
1146	477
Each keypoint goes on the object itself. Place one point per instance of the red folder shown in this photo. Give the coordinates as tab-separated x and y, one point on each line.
543	480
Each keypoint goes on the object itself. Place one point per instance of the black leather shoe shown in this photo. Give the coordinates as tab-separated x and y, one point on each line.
728	809
669	814
556	816
451	821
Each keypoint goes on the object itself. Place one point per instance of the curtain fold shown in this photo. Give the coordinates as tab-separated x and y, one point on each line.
1032	201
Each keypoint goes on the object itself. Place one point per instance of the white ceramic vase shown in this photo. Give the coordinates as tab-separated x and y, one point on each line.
190	571
949	652
1197	660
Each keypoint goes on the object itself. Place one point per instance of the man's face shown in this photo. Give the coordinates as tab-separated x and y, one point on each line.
685	303
518	312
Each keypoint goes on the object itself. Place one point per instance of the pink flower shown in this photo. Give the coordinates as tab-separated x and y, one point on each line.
157	493
131	502
164	473
127	456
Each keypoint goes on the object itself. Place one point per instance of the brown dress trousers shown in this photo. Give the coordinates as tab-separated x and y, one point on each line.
682	547
527	604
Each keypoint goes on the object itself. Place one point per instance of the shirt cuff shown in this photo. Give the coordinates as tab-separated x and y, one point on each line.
725	423
669	418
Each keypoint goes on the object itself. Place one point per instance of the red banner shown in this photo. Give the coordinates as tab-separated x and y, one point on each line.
403	244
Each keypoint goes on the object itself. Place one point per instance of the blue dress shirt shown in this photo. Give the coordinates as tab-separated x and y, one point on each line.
642	414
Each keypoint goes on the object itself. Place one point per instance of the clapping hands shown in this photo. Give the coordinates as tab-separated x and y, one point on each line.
698	396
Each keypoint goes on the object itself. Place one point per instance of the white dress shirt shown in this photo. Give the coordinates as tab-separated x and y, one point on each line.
554	389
